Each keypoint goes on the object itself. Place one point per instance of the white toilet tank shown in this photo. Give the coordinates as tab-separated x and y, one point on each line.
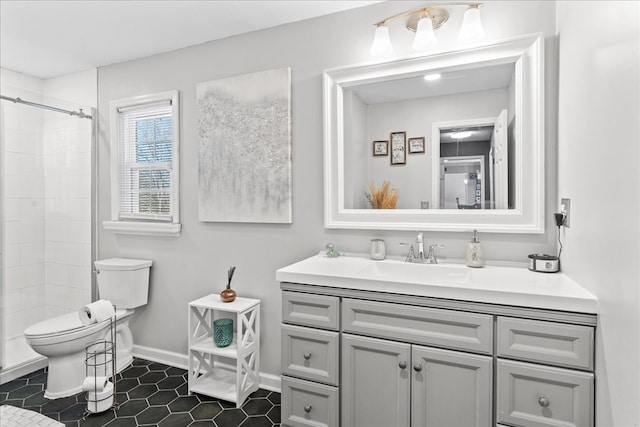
123	281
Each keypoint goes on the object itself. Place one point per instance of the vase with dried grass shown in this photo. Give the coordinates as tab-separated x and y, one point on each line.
228	294
383	197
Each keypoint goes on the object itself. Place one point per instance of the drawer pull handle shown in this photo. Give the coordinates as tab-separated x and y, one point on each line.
402	365
543	401
307	356
307	408
417	367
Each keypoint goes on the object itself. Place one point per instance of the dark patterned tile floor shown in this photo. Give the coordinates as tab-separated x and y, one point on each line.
148	394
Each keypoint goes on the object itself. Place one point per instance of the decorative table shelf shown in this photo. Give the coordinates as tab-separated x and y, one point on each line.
229	373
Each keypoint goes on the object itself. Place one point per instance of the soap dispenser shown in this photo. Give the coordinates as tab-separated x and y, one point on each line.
475	256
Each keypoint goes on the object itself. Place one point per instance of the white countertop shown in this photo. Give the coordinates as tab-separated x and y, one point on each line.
492	284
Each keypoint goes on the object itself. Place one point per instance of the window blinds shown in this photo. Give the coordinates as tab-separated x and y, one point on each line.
145	161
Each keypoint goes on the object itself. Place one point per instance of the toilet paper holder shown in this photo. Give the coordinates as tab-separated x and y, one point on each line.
100	371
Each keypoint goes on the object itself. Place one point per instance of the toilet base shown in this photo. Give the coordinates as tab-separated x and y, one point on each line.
65	370
123	363
64	378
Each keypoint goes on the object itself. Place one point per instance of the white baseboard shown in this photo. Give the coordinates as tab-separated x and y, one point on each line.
14	372
161	356
267	381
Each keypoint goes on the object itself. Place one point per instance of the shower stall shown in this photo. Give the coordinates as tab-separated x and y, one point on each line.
47	213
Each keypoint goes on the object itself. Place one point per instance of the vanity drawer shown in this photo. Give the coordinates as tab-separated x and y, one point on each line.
421	325
545	342
308	404
534	396
310	310
311	354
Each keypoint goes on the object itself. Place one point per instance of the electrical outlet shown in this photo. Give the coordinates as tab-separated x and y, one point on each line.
565	209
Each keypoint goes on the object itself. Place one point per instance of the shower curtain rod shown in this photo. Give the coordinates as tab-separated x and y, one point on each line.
80	114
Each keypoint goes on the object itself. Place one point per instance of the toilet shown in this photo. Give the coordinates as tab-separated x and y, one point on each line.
63	339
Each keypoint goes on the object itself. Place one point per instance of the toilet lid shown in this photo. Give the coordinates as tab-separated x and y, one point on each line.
64	323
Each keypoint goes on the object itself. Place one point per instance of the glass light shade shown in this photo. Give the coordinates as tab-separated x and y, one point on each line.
471	28
425	37
381	42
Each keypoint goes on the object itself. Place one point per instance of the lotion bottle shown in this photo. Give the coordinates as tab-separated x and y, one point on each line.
475	255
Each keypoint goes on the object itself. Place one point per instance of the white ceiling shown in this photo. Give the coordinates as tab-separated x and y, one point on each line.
452	82
52	38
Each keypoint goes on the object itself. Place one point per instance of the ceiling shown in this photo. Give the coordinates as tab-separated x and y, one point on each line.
52	38
451	82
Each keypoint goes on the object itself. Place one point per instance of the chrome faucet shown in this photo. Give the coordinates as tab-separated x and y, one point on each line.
420	257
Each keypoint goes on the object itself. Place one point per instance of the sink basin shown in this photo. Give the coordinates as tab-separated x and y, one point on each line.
416	273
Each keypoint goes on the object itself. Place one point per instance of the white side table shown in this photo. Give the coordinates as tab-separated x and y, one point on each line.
211	368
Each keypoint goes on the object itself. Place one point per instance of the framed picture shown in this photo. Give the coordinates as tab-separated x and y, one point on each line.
380	148
416	145
398	148
230	112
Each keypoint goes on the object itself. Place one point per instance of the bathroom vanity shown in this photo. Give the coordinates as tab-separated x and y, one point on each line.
388	343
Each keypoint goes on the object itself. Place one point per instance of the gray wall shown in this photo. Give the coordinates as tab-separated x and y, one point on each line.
195	263
599	130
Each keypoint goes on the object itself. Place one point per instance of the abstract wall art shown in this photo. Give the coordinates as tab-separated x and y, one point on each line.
244	126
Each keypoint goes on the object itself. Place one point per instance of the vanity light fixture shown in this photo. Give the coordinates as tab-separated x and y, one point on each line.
424	21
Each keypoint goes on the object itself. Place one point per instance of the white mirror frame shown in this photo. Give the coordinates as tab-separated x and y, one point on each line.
528	216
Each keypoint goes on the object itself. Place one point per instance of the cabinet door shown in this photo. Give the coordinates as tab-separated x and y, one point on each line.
450	388
375	382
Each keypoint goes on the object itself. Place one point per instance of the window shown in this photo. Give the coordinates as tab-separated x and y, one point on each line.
144	166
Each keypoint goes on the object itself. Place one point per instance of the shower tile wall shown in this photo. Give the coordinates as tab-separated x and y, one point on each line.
47	179
67	165
24	217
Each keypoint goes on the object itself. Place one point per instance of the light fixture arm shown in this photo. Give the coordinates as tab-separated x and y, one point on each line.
425	10
423	21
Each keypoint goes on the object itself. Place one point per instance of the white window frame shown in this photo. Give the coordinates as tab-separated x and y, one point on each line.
145	226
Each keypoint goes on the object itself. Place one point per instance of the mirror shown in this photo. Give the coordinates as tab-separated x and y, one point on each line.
472	164
461	152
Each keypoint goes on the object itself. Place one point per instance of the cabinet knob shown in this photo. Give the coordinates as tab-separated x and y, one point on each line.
417	367
543	401
307	356
307	408
402	365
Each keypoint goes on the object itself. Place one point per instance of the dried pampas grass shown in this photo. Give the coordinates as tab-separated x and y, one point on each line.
384	197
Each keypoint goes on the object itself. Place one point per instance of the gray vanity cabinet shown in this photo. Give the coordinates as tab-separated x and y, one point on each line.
310	364
388	383
423	386
357	358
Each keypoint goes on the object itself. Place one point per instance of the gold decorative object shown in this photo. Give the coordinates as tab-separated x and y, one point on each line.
384	197
229	295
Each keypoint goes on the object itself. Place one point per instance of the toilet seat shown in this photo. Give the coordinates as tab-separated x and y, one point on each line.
66	324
